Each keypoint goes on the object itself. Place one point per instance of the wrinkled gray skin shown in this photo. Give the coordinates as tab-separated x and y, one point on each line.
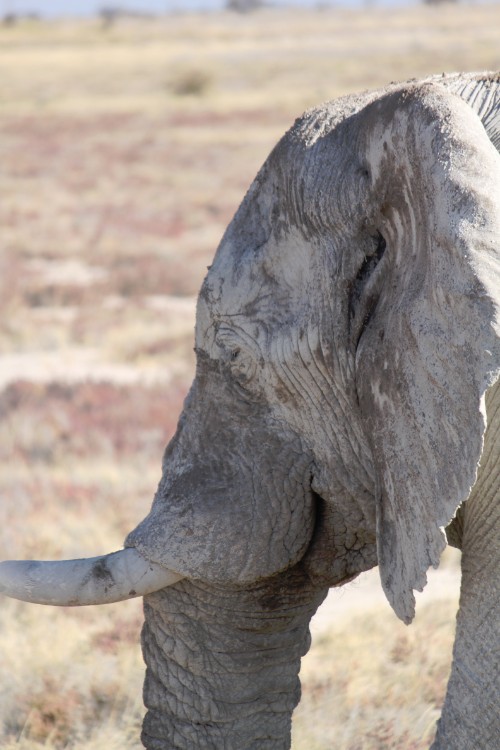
346	335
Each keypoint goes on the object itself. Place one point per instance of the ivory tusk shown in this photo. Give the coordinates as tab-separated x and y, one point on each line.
94	580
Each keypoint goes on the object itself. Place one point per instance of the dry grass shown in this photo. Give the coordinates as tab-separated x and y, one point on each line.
372	683
124	154
273	58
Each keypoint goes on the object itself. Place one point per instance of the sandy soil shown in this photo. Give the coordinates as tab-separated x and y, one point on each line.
366	594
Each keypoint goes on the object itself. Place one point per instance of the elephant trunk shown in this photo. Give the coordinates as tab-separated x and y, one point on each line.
472	706
223	663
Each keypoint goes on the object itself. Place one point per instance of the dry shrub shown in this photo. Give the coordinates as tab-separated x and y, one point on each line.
191	82
57	716
52	714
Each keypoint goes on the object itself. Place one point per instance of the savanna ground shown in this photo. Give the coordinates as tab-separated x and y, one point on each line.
124	152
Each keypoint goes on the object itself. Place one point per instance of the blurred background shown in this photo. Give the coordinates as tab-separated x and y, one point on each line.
129	134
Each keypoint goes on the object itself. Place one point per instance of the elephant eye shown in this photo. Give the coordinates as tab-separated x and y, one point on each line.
242	367
365	288
238	362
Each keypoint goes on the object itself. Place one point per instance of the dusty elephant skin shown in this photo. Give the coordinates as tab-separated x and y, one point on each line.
348	352
241	691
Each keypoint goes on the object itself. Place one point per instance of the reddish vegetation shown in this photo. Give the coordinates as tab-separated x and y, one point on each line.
55	717
78	415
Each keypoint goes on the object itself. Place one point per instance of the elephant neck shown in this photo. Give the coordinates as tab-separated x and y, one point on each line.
222	665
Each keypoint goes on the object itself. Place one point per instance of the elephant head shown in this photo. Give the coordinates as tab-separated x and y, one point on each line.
346	335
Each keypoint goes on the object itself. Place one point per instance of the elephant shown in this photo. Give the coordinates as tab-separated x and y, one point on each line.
345	413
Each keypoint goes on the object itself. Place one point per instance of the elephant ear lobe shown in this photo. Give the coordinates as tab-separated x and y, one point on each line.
431	347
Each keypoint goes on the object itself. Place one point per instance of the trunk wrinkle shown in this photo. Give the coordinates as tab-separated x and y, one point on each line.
223	663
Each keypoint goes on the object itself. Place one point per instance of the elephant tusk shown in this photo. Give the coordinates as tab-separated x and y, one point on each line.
94	580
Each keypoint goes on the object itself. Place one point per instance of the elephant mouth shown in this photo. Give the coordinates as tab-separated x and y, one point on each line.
340	548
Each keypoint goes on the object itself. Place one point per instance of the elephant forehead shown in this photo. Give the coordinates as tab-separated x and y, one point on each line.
261	289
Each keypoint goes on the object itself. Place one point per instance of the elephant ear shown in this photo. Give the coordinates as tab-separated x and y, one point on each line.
430	348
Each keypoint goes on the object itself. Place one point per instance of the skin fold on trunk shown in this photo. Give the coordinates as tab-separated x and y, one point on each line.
472	706
223	663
